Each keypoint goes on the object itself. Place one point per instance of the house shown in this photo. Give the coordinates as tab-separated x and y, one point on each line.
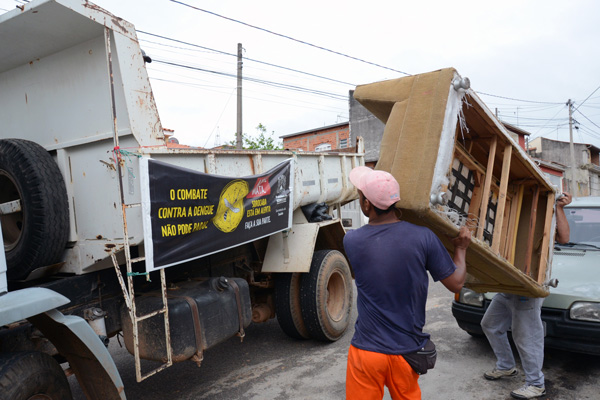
328	138
552	169
587	163
331	137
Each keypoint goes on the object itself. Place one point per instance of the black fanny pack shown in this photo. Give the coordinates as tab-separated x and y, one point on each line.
423	359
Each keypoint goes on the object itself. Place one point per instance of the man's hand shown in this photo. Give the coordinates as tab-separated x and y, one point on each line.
463	239
563	231
456	281
564	200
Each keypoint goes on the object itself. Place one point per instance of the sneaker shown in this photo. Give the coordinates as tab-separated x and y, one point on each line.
499	373
528	392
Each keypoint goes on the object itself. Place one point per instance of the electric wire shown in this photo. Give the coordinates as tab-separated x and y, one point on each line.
511	98
298	103
321	48
587	99
247	58
257	80
589	132
219	119
592	122
547	105
340	97
289	37
535	135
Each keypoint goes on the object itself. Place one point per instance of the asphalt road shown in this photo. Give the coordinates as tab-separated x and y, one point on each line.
269	365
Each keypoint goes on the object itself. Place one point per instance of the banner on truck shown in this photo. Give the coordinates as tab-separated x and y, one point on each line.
189	214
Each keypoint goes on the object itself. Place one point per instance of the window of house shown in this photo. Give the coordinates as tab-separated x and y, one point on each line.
343	143
323	147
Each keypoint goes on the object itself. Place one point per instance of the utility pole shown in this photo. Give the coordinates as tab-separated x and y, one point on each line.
238	140
573	186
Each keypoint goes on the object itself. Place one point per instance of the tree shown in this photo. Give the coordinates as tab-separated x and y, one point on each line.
264	141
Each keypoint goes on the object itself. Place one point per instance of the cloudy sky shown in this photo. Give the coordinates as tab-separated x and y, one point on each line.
524	58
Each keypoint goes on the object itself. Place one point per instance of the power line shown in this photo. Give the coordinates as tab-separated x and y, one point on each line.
260	81
510	98
593	123
587	99
315	46
550	120
322	93
591	133
247	58
290	38
531	119
523	108
219	119
210	87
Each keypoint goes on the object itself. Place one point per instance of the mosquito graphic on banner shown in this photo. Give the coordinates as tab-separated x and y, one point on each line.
189	214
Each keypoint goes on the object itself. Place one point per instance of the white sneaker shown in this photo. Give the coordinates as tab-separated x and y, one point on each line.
528	392
500	373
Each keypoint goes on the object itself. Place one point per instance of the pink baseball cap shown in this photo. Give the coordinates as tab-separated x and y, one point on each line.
379	187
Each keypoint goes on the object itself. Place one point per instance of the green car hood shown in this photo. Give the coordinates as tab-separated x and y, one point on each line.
578	274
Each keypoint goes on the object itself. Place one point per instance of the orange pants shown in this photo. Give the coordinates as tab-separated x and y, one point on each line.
367	372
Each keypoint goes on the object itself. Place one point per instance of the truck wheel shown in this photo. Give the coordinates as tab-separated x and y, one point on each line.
326	296
35	236
287	305
32	375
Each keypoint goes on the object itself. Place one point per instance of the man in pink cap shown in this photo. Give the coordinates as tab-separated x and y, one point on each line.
390	259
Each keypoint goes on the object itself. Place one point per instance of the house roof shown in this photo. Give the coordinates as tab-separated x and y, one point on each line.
550	164
322	128
515	129
585	144
173	145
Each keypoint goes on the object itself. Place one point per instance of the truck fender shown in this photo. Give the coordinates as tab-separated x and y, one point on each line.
24	303
292	251
93	365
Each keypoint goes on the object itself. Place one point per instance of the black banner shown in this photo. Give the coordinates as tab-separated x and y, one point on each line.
189	214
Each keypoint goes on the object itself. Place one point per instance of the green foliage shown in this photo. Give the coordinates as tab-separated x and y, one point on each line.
264	141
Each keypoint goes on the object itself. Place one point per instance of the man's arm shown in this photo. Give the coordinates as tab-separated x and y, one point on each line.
563	232
456	281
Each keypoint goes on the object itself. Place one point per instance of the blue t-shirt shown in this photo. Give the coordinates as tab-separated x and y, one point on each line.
390	264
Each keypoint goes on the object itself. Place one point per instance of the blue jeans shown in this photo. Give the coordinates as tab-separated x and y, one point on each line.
522	315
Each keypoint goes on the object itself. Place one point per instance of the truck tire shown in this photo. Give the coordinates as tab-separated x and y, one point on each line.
35	236
287	305
32	375
326	296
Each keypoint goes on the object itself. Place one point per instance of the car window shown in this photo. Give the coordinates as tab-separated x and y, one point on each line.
584	224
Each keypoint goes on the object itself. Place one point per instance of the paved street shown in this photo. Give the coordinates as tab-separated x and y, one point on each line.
269	365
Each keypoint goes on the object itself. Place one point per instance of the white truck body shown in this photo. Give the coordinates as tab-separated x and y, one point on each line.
55	91
75	96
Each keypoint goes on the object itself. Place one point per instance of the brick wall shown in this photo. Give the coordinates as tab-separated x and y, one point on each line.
308	141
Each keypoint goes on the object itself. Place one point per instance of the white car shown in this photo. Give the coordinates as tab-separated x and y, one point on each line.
571	313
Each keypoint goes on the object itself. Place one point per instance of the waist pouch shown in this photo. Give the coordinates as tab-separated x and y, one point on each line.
423	359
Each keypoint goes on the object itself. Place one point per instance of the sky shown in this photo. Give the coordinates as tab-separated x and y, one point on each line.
525	59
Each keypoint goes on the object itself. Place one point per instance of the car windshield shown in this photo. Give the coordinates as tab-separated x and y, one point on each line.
585	227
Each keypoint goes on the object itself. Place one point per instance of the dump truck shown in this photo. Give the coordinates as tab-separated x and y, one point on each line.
108	230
